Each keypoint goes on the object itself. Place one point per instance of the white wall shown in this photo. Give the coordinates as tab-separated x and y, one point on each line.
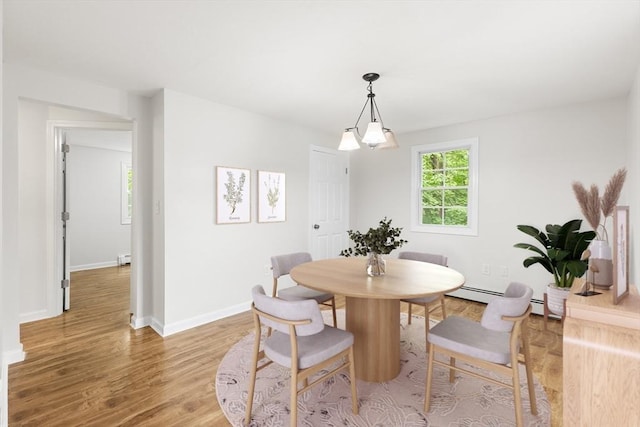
4	418
96	233
32	226
527	164
633	179
20	84
209	268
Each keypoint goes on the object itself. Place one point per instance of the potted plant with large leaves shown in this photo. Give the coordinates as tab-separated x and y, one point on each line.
560	252
375	243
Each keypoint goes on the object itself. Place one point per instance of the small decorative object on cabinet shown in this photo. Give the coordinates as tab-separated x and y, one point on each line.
561	255
373	244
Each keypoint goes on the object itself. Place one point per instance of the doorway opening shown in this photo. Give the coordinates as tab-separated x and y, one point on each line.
92	229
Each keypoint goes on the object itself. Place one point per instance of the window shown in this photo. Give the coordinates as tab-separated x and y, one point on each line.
445	187
126	191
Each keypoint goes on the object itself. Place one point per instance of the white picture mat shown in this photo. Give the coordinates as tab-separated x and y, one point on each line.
271	196
233	195
620	253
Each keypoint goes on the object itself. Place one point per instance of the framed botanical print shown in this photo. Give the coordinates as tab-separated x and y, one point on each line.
233	195
271	196
620	253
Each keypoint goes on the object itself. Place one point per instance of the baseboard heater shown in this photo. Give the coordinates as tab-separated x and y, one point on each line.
124	259
484	295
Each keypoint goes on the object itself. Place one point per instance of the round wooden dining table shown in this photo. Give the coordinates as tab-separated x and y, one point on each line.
373	303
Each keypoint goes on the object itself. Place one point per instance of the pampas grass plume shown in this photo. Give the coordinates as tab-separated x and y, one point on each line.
589	202
612	192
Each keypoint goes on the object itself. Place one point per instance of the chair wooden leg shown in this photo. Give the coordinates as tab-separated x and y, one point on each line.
452	372
294	399
426	324
409	321
252	379
444	310
517	400
527	366
333	309
546	310
352	379
427	390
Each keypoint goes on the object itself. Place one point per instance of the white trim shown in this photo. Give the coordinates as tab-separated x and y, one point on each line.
13	356
4	395
53	206
472	203
93	266
33	316
137	323
183	325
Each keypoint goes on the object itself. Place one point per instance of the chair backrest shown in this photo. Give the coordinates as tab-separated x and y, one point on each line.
288	310
514	302
282	264
424	257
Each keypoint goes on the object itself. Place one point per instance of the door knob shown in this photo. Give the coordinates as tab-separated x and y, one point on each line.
316	226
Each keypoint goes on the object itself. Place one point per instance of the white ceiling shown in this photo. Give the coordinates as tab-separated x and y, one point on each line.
440	62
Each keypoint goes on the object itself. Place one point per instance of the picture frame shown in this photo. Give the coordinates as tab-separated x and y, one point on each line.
620	253
272	204
233	195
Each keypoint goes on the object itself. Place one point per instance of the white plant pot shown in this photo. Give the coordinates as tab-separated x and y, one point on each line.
555	298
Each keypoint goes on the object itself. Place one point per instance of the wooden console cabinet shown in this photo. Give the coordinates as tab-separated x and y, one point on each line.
601	360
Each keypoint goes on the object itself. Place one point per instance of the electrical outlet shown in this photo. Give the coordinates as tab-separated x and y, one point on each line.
504	271
486	269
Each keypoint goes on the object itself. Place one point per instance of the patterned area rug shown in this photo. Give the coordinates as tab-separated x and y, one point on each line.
468	401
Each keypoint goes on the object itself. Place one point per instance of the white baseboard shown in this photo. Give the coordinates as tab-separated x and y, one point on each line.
4	395
34	315
183	325
140	322
13	356
6	359
93	266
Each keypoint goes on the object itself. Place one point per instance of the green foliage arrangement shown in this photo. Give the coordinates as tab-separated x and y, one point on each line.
234	192
381	240
562	249
273	192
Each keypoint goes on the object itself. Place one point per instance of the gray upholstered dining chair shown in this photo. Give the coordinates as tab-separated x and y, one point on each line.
498	342
432	302
300	341
281	266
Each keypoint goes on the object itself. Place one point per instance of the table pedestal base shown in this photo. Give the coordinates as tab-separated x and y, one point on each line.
375	324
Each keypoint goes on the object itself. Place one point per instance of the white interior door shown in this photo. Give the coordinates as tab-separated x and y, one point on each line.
329	202
65	283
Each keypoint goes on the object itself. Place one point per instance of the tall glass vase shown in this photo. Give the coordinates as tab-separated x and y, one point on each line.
375	265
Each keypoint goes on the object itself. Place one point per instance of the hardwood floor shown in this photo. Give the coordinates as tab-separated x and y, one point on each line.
88	367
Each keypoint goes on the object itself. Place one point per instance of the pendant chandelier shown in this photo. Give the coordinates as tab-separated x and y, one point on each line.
377	136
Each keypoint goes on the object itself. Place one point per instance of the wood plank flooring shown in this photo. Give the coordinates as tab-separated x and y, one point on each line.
89	368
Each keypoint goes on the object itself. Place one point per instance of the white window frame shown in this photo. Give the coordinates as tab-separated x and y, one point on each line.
125	218
471	229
